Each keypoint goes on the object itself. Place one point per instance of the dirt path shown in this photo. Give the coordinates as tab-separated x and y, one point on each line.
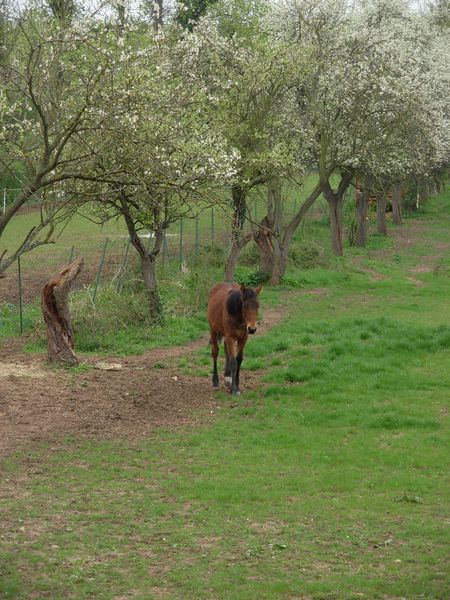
40	405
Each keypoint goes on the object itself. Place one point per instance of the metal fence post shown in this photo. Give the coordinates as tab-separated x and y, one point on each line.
196	235
99	272
181	243
122	274
20	296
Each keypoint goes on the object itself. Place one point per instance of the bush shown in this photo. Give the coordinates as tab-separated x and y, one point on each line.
111	312
213	254
251	278
249	256
307	255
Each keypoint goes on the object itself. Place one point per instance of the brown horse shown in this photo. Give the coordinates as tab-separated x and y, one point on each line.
232	314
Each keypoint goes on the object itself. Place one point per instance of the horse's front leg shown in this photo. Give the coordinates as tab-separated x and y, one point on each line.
231	346
215	353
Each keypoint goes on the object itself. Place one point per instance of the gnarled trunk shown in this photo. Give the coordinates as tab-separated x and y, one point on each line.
280	260
56	314
263	240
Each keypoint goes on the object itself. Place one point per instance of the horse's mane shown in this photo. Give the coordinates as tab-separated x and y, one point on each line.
234	301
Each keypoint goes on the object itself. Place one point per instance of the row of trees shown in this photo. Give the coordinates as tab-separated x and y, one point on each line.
149	118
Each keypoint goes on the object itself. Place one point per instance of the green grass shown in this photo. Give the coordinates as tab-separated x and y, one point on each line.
330	481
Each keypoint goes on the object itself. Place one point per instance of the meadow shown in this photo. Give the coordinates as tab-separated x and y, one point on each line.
326	479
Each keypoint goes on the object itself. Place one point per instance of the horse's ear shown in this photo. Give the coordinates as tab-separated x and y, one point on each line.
242	286
258	289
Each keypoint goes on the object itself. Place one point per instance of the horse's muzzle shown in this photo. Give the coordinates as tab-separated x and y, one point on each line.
251	330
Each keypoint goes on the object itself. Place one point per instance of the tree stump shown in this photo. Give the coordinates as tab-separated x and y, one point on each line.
57	316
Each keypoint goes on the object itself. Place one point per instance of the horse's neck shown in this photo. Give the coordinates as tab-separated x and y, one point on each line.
234	307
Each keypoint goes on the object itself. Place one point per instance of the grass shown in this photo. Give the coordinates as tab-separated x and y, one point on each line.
330	481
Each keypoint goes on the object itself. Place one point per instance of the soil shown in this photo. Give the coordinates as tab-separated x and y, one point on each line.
39	404
34	279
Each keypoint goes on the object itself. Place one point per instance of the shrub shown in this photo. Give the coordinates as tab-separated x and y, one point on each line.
307	255
252	278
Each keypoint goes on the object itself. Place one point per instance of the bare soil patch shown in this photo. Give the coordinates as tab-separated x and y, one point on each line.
39	404
34	279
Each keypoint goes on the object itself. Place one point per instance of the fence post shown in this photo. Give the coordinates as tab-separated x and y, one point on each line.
99	272
181	243
124	264
4	201
72	250
20	296
196	235
212	224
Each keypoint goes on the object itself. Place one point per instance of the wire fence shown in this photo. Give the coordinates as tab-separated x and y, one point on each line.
109	256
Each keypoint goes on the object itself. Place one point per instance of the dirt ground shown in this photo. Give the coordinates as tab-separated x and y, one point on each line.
34	279
39	404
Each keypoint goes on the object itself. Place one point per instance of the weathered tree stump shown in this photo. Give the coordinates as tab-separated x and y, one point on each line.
57	316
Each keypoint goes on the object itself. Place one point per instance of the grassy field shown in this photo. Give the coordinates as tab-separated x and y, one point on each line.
327	481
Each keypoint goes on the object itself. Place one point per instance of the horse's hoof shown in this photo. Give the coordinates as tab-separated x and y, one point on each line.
215	386
237	393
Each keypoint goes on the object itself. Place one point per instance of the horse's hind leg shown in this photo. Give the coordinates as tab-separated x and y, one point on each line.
215	353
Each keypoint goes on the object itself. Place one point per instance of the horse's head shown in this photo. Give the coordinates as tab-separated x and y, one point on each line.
250	305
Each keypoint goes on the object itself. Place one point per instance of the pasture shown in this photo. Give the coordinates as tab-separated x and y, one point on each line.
326	479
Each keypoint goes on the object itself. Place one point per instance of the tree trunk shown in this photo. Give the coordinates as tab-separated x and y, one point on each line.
381	213
335	200
267	229
57	316
362	207
238	240
148	265
236	246
157	16
335	211
397	204
262	237
280	260
300	215
272	244
335	207
148	260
